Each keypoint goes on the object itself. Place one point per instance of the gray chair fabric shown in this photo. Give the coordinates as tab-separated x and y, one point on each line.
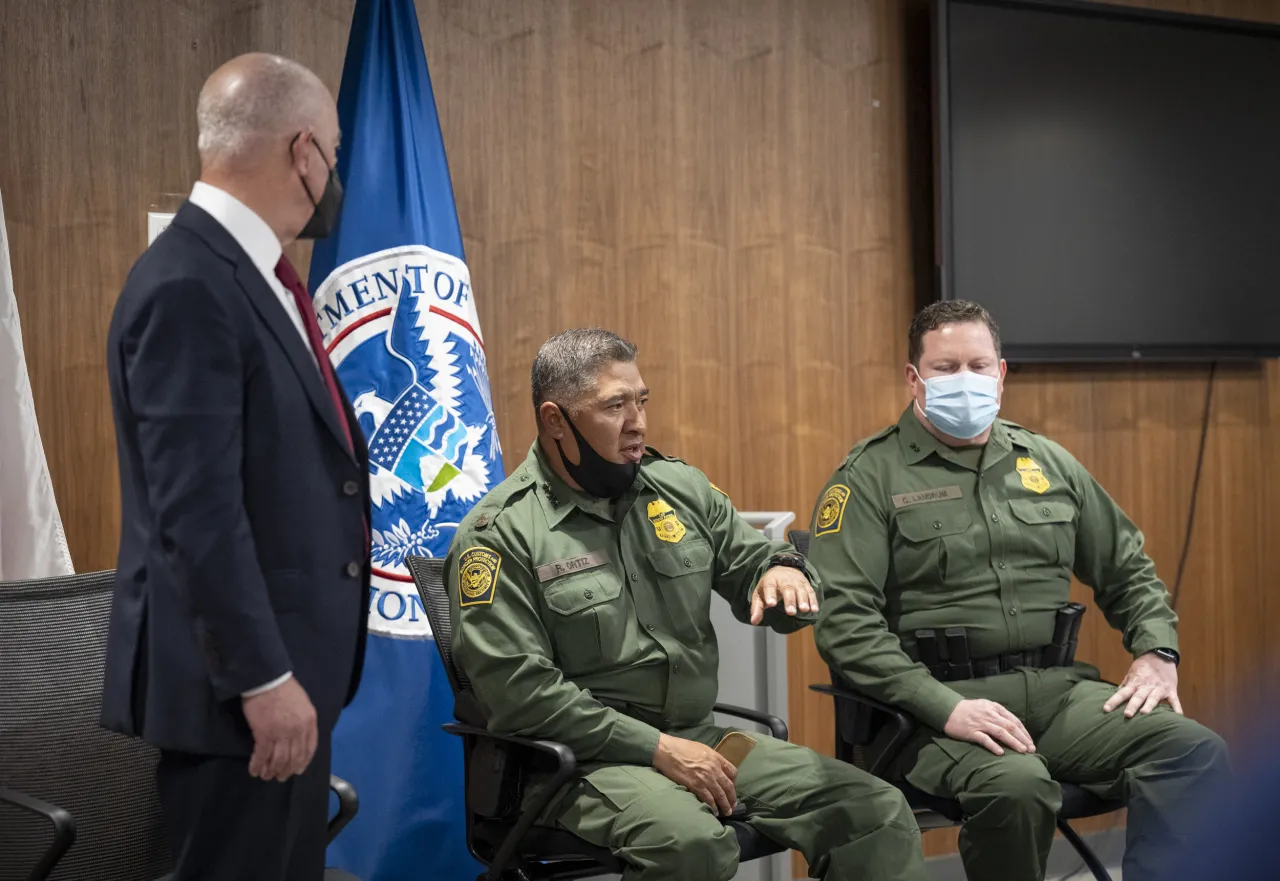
53	636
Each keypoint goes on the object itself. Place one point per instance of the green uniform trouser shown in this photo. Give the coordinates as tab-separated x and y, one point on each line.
848	824
1163	764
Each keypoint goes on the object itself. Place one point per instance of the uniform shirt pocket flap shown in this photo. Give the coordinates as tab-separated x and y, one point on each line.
577	592
927	522
682	559
1036	511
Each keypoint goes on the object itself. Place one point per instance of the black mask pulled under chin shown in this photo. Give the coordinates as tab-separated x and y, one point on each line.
594	473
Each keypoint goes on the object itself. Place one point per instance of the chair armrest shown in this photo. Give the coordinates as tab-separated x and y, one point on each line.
776	726
904	726
348	804
566	765
839	692
64	829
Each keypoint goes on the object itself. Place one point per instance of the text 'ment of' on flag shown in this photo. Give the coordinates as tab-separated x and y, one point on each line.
393	297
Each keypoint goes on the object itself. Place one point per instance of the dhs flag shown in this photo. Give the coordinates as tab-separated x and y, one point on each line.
394	301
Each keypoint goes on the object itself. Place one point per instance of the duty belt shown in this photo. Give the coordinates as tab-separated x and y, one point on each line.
945	651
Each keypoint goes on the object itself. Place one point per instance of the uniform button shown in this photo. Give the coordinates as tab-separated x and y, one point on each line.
635	577
651	627
1044	511
588	594
1013	610
666	723
1001	565
350	488
937	524
524	478
995	518
688	564
353	569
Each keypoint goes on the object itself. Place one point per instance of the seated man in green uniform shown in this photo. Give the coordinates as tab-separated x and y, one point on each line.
953	518
583	584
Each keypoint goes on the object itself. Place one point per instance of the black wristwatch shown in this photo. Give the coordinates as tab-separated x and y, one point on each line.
1167	654
794	561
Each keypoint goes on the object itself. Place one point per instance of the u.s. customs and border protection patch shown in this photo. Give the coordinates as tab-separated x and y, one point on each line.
1032	475
831	510
478	577
665	522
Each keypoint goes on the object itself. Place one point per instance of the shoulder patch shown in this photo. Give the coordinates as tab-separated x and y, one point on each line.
478	576
831	510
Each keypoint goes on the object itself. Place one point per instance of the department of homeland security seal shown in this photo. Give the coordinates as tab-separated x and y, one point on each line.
401	328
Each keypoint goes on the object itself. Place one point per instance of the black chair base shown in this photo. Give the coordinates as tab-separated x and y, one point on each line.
548	853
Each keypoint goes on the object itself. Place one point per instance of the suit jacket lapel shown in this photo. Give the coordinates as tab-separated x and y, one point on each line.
268	306
269	309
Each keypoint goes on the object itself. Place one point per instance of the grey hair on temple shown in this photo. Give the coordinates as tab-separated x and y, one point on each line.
567	365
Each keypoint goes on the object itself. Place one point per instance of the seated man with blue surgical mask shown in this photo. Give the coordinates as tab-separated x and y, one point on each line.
946	544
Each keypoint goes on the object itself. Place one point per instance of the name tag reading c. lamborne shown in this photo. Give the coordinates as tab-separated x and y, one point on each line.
906	500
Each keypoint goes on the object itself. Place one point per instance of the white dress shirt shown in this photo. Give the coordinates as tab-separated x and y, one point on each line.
258	241
256	238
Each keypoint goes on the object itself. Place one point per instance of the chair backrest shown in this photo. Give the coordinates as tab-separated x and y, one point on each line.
428	578
799	540
53	634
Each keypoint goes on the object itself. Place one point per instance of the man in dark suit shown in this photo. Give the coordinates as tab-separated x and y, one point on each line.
238	625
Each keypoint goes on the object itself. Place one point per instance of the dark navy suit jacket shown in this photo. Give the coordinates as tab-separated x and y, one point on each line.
243	530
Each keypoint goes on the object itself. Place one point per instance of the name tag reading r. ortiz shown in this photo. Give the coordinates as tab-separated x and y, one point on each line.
581	563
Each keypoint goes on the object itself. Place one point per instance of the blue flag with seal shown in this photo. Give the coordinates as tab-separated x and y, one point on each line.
394	301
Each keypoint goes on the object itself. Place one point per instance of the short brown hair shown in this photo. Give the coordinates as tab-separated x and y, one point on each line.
942	313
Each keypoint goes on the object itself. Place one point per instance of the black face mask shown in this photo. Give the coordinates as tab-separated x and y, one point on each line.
595	474
325	217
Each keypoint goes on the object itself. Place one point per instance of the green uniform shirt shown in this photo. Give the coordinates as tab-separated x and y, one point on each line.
558	597
911	534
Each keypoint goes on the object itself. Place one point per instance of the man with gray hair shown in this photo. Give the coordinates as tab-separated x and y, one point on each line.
237	627
581	614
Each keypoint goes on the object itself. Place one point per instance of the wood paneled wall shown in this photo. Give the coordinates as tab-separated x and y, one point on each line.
736	185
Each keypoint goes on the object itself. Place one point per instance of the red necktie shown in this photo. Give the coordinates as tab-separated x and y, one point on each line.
289	278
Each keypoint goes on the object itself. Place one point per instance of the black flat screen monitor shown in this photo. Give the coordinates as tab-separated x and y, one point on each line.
1109	178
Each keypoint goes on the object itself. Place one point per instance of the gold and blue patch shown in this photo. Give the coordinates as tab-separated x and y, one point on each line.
478	577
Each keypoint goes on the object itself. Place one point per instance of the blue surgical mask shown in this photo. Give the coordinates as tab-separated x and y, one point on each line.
962	405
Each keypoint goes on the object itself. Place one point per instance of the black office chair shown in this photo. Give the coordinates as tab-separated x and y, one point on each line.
77	802
501	833
872	735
